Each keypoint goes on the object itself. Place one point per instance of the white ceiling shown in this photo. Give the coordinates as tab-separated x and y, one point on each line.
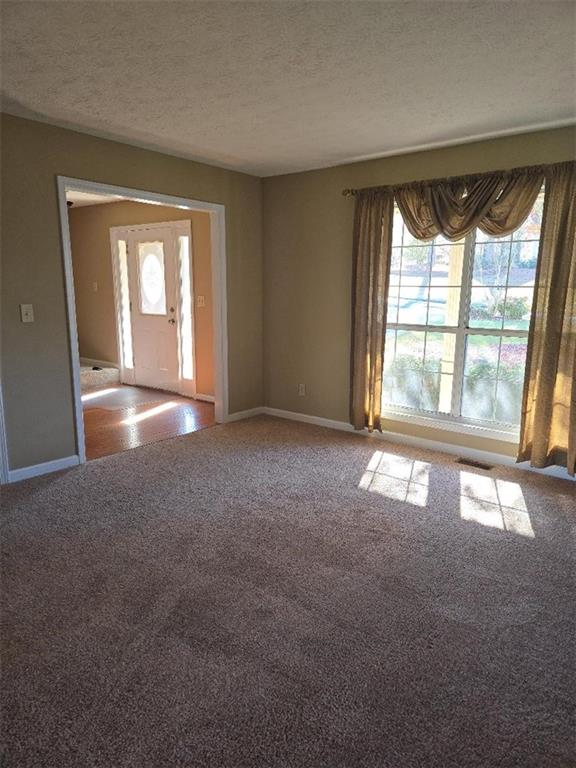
271	87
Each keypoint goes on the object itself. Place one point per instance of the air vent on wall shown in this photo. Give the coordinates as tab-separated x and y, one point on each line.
475	464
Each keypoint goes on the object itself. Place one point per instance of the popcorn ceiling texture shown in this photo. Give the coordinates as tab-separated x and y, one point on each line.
233	599
273	87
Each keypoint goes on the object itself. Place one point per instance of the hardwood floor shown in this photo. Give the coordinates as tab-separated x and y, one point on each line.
121	417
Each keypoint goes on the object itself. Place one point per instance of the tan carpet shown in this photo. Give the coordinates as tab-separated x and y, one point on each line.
234	599
91	379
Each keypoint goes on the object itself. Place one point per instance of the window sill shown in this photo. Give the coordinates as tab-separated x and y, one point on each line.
452	425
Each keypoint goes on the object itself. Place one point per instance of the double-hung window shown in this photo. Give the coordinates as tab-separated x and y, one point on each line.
457	327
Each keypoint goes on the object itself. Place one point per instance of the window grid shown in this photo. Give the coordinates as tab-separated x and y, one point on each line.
465	328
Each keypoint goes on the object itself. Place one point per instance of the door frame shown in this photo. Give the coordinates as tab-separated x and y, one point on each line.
219	298
183	227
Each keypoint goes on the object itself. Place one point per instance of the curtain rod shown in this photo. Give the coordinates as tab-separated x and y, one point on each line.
467	177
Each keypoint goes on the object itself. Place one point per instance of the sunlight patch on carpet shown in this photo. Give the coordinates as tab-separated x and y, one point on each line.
495	503
397	477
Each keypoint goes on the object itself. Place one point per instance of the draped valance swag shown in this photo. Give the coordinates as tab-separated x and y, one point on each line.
497	203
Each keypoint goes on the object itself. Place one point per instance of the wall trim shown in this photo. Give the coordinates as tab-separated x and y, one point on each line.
14	475
217	213
205	398
418	442
3	443
101	363
46	467
248	414
319	421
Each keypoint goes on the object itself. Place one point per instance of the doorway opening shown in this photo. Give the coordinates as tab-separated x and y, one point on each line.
145	280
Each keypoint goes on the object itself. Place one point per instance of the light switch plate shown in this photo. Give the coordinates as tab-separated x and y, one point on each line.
27	313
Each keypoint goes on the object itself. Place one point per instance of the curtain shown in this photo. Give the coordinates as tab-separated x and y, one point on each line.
548	427
497	203
372	249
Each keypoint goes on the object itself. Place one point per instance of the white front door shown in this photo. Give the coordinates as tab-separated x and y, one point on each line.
154	308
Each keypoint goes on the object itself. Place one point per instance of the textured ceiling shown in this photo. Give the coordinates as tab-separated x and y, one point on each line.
273	87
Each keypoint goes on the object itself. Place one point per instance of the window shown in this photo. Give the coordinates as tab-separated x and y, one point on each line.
186	340
457	325
152	281
125	321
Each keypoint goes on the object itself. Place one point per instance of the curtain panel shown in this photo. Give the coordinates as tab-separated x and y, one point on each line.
497	203
372	248
548	428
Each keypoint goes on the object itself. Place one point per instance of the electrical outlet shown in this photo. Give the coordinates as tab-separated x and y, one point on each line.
200	301
95	287
301	390
26	313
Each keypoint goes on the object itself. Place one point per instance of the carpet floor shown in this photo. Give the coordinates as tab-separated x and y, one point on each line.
272	594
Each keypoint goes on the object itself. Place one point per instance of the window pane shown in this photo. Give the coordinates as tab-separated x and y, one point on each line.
482	238
418	370
487	307
503	276
404	353
413	305
392	314
397	228
480	372
125	306
186	307
152	285
491	263
493	378
523	262
510	379
447	260
416	265
439	357
395	266
444	306
517	308
430	279
437	306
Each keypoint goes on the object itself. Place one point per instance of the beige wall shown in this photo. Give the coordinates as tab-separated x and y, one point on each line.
307	271
307	229
90	236
36	377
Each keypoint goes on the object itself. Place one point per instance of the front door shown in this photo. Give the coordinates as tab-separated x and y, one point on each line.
153	300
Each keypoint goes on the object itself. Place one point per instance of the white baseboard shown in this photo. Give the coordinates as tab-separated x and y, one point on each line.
100	363
14	475
204	398
307	419
239	415
487	457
